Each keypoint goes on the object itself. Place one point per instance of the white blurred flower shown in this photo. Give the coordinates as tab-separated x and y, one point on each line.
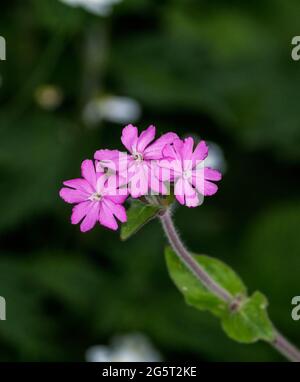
130	348
113	109
215	158
97	7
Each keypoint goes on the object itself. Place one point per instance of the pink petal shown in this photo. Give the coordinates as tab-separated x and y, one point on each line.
73	196
155	176
129	137
178	146
108	159
161	170
117	199
201	177
158	187
185	193
91	218
88	172
211	174
139	183
169	153
103	155
179	191
192	201
145	138
186	152
187	149
155	151
189	191
130	171
191	196
172	162
115	186
205	187
180	199
117	210
80	211
209	188
115	160
122	181
100	184
200	153
173	167
145	179
79	184
106	218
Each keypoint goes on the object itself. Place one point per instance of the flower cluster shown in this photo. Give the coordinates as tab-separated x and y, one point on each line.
149	167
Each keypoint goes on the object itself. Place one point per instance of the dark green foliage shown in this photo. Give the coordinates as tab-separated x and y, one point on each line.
217	69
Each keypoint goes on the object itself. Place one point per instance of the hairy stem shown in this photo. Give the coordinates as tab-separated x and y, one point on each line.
287	349
189	261
280	343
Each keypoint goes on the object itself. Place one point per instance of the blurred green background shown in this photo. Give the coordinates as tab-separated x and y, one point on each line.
220	70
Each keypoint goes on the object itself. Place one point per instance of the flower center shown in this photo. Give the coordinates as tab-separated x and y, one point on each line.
95	197
187	174
138	157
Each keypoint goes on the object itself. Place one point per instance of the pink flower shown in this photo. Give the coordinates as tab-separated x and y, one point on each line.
111	162
96	198
191	179
139	167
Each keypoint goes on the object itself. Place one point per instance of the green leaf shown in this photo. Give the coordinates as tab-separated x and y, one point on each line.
251	322
137	216
245	322
194	292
